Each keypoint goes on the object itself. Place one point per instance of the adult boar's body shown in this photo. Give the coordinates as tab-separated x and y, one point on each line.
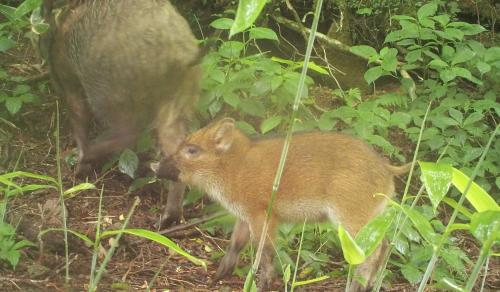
130	64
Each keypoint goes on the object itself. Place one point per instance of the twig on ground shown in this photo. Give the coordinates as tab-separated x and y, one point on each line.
193	223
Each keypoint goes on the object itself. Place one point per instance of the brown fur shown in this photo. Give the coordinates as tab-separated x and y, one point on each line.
327	176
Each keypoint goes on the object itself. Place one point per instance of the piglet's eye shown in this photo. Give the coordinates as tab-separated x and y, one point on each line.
192	150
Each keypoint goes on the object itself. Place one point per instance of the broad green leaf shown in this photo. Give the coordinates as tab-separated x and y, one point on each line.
492	54
252	107
453	34
438	64
13	104
78	188
128	162
476	195
485	224
370	236
232	99
246	127
363	51
427	10
231	49
263	33
269	124
327	121
400	119
246	14
315	67
462	55
411	273
158	238
389	60
442	19
6	43
483	67
457	115
26	7
437	179
447	75
373	74
222	23
353	254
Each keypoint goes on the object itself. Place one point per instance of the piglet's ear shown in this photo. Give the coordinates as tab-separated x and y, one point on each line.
223	135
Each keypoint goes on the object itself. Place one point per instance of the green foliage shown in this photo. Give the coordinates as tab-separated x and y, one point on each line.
15	22
251	86
10	248
451	61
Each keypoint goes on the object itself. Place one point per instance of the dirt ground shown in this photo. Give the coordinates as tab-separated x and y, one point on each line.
136	261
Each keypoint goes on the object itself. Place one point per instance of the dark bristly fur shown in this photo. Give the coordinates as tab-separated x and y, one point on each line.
128	63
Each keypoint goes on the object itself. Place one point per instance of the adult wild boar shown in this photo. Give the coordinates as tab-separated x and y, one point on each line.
130	64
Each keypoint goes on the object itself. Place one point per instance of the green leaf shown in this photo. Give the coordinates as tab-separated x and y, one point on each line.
363	51
373	74
447	75
483	67
411	273
400	119
457	115
6	44
438	64
485	224
232	99
128	162
476	195
269	124
263	33
442	19
462	55
370	236
231	49
222	23
13	104
389	60
413	56
250	285
427	10
453	34
246	127
252	107
246	14
353	254
158	238
492	54
71	192
315	67
26	7
437	179
473	118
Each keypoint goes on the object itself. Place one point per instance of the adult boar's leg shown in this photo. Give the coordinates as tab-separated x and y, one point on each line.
171	127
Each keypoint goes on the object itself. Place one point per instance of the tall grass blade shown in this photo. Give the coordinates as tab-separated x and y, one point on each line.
288	138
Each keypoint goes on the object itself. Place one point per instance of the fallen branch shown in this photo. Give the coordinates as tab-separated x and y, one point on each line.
336	44
193	223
